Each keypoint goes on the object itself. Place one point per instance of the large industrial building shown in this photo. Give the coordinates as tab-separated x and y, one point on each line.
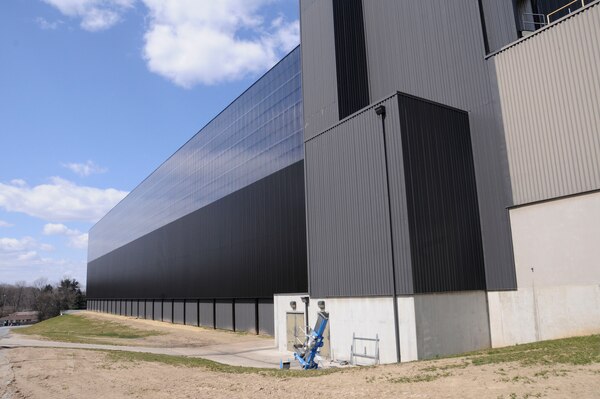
428	172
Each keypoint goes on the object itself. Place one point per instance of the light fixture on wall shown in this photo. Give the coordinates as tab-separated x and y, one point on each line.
293	305
321	305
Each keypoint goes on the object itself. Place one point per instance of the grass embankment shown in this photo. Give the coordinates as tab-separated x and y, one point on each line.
195	362
575	351
569	351
73	328
572	351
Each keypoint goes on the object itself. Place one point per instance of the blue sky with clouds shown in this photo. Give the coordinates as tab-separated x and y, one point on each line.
95	94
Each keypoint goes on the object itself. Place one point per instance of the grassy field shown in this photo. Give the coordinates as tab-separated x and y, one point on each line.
72	328
571	351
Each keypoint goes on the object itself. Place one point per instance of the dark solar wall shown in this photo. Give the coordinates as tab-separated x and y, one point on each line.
250	244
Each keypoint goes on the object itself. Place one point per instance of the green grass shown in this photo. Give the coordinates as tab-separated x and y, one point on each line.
194	362
575	351
73	328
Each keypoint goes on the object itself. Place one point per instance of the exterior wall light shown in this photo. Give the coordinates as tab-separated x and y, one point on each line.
293	305
321	305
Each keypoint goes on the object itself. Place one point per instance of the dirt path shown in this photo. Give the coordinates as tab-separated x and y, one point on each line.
66	373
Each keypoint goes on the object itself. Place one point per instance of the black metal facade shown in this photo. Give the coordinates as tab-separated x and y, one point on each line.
351	56
441	197
249	244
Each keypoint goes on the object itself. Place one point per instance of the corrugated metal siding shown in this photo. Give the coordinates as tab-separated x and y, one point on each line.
149	310
249	244
347	210
350	56
191	313
319	84
167	311
266	317
499	22
245	316
178	312
434	50
157	310
224	314
142	310
443	214
207	313
550	90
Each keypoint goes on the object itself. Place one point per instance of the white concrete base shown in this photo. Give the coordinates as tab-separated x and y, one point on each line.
557	262
530	315
429	325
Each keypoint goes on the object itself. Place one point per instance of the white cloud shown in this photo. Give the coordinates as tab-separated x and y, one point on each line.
47	25
20	260
84	169
95	15
77	239
59	200
209	42
5	224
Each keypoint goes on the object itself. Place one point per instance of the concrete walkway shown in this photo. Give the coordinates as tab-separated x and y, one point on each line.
247	354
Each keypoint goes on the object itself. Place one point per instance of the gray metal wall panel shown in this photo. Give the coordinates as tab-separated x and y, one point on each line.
550	91
167	314
266	317
178	312
319	82
157	310
207	314
123	308
191	313
134	308
224	314
142	310
149	310
441	58
500	23
347	217
245	315
127	308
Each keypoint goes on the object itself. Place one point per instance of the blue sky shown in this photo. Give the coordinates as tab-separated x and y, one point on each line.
95	94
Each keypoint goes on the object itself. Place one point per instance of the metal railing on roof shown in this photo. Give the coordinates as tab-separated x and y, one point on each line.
575	4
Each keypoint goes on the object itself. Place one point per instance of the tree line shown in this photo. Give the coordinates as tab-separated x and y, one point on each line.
47	299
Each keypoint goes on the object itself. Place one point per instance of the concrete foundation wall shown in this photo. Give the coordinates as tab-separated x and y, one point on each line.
557	258
451	323
429	324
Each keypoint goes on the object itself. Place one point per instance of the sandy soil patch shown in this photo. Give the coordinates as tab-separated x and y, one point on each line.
66	373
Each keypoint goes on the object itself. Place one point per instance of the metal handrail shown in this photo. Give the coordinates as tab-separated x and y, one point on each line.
565	6
533	20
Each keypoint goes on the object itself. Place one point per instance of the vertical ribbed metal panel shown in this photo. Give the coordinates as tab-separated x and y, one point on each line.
266	317
435	50
443	214
134	308
350	56
224	314
191	313
500	22
319	84
245	315
207	313
550	92
348	222
142	310
127	308
158	310
167	314
178	312
149	310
